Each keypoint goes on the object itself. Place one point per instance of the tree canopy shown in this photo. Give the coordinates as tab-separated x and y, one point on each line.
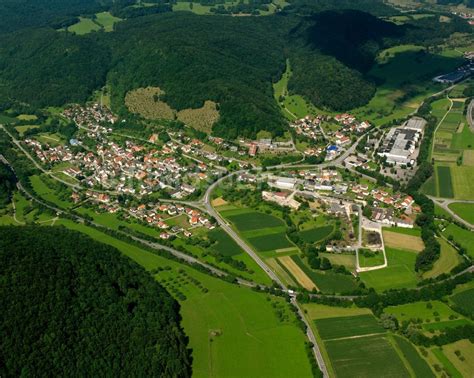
72	306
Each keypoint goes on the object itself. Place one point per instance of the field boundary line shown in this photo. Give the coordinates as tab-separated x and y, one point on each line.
357	336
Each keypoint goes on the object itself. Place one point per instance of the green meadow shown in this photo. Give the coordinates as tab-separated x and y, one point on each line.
348	326
232	330
462	236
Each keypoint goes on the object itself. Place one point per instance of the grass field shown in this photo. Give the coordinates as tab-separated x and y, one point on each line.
448	259
41	188
402	241
107	20
421	310
344	259
348	326
327	282
21	129
318	311
376	259
448	365
232	330
84	26
464	300
462	236
404	231
463	182
270	242
247	219
225	244
400	272
365	357
418	365
316	234
464	210
464	363
444	182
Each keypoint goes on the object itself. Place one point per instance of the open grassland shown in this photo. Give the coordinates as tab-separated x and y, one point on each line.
232	330
84	26
402	241
365	357
316	234
400	272
348	326
468	157
147	103
464	300
375	259
448	259
463	140
444	182
464	363
200	119
422	311
327	282
464	210
462	236
417	364
404	231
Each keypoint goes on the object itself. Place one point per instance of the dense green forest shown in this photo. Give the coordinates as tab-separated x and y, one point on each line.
73	306
7	184
230	60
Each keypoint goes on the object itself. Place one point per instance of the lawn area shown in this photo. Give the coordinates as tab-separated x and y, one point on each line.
365	357
421	310
345	259
463	140
444	181
84	26
348	326
464	300
232	330
464	210
327	282
316	234
247	219
462	236
400	272
448	259
403	241
419	366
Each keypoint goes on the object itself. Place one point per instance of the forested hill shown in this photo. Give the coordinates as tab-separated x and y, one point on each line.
75	307
232	61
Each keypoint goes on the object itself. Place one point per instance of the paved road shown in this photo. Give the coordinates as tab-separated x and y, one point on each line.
309	331
445	202
470	109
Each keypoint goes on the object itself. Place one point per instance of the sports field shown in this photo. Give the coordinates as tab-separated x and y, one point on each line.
372	356
348	326
400	272
232	330
402	241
